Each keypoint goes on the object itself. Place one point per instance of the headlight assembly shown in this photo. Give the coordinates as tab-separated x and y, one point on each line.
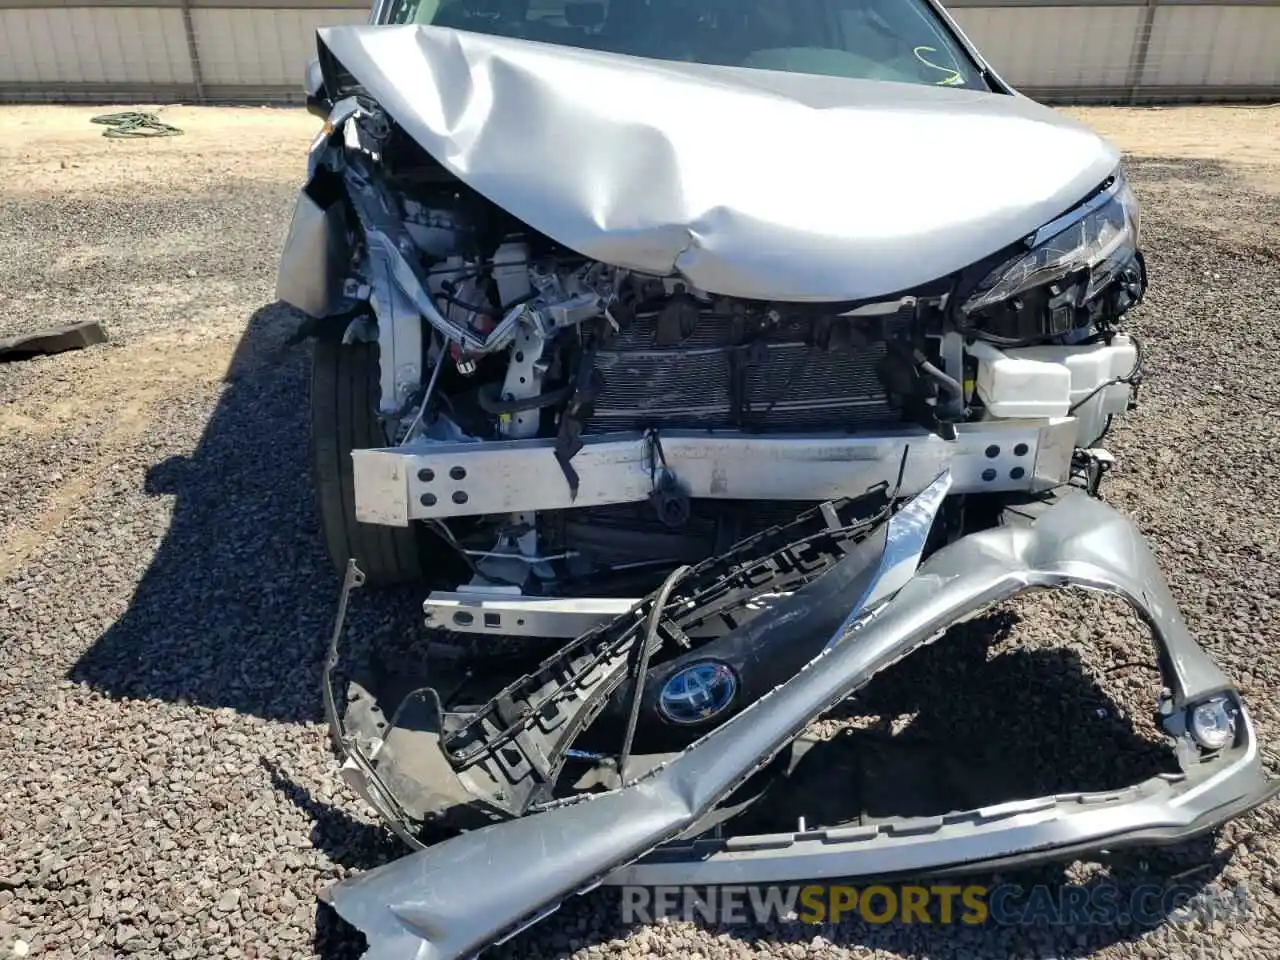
1071	259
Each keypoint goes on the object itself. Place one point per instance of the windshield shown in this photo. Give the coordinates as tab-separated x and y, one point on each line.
899	40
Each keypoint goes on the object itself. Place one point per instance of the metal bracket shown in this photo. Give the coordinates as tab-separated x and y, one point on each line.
509	614
525	371
357	770
399	338
1094	463
523	380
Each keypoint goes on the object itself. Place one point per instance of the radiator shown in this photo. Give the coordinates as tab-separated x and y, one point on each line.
782	383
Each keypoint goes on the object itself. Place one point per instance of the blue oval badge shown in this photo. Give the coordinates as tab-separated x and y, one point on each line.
698	692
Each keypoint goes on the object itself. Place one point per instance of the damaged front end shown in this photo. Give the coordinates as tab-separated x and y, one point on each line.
711	640
667	818
592	369
688	443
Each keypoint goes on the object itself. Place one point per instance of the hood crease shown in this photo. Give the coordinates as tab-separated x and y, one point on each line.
745	182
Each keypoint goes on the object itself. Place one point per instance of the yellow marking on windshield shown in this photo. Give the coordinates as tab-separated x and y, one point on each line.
954	79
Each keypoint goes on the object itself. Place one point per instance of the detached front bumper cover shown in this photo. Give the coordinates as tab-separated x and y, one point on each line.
455	899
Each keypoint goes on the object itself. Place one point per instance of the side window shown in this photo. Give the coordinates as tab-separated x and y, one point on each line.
412	11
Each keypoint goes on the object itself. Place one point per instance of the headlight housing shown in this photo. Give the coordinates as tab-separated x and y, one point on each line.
1072	258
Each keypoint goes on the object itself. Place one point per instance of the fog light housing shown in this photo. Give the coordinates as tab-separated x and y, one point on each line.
1213	723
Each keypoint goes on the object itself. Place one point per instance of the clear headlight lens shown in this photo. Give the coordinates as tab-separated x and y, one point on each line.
1213	723
1100	236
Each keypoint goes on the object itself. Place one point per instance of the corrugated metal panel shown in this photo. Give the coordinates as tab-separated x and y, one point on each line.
1214	46
261	46
93	44
1054	46
1060	51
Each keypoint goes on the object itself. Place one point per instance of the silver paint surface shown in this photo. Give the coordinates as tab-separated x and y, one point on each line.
746	182
453	899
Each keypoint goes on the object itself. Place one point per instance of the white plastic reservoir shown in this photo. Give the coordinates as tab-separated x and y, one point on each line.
1048	381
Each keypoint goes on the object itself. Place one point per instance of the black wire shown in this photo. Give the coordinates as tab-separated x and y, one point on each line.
519	300
1127	378
949	383
475	269
968	330
655	454
897	487
650	631
487	309
490	399
801	363
454	272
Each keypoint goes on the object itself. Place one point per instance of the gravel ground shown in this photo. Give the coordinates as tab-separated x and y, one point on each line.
165	789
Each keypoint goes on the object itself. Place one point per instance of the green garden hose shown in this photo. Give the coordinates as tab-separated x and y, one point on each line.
130	124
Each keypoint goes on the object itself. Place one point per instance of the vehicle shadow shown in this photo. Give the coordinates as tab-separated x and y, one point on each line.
343	839
346	841
235	608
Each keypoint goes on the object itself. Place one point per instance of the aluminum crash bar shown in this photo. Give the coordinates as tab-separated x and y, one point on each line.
431	480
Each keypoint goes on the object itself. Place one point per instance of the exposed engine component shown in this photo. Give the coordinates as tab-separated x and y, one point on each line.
650	358
717	375
489	330
596	349
438	232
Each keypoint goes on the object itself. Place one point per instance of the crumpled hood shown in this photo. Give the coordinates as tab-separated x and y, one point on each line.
747	182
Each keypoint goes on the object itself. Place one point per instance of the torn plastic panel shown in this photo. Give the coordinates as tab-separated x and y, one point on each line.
906	535
425	764
454	899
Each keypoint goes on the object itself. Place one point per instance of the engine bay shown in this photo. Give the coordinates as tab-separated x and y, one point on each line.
490	331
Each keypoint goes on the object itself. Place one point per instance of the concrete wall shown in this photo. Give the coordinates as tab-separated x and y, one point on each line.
256	50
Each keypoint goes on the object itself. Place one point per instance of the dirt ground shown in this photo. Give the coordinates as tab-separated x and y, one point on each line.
1242	135
165	788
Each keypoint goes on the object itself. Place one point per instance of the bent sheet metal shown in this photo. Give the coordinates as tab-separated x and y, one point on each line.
454	899
642	163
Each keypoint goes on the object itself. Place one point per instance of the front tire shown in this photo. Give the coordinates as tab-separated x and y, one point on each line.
344	400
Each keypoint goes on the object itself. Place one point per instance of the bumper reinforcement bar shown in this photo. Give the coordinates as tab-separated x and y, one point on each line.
431	480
